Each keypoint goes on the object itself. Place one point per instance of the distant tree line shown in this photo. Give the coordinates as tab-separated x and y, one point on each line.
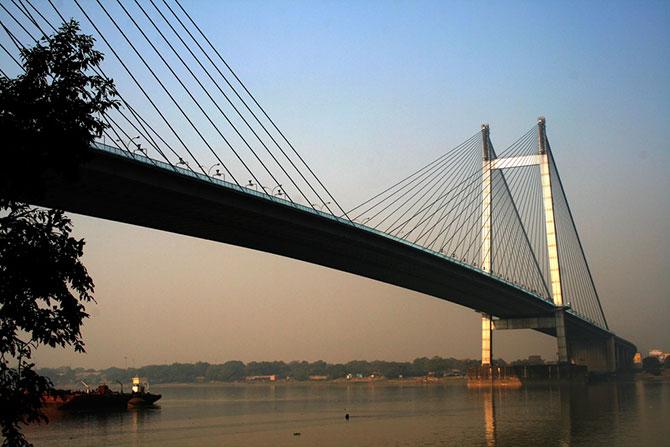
236	370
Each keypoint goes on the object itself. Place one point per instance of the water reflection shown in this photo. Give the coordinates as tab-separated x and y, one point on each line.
625	413
628	413
489	418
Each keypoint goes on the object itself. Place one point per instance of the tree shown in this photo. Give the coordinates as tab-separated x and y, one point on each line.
49	116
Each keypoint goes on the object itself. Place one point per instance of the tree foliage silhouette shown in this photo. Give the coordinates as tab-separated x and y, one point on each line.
49	116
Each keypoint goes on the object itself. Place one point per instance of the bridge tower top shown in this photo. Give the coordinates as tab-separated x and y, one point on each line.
541	135
485	142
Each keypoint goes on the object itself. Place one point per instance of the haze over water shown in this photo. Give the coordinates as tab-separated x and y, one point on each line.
632	413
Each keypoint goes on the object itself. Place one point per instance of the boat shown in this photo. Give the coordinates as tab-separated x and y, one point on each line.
102	398
140	396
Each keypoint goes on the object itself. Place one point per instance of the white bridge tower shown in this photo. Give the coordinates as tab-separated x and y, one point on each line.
491	163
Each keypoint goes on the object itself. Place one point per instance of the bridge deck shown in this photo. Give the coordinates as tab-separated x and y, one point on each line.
140	191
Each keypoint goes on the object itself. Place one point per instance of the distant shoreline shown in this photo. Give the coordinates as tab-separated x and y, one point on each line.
282	382
409	381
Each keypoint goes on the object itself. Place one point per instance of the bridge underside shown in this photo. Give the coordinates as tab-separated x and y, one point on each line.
118	188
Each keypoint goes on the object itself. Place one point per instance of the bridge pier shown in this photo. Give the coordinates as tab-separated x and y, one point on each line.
597	355
487	340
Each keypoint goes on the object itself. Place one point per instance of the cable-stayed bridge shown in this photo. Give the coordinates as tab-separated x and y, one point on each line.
192	151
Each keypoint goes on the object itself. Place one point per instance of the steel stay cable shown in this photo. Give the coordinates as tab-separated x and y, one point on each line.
430	174
526	268
473	190
534	217
470	180
574	272
498	174
24	10
259	106
500	237
223	93
506	153
98	70
444	210
434	170
146	95
525	186
524	183
473	225
22	47
206	92
443	174
567	262
447	186
503	209
467	180
581	247
467	141
458	208
583	285
158	80
510	150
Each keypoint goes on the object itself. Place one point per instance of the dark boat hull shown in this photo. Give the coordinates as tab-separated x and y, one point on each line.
143	400
75	401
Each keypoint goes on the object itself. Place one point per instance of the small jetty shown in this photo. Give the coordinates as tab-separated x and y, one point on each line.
519	375
493	376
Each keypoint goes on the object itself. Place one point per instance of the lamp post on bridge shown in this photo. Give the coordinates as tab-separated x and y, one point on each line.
130	141
320	206
278	188
141	150
217	173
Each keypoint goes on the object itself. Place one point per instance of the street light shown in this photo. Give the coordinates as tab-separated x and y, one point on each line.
271	191
130	140
320	205
251	185
182	162
140	149
217	173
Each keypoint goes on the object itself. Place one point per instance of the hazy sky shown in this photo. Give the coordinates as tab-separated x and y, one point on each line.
368	92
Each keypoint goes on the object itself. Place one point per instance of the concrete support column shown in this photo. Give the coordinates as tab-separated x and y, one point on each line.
487	340
611	355
561	339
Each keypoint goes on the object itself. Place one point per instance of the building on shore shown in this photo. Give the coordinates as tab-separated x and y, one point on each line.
266	378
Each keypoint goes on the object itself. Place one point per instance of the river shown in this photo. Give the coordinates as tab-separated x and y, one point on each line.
624	413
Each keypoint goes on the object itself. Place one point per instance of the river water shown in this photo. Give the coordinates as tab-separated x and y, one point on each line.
633	413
